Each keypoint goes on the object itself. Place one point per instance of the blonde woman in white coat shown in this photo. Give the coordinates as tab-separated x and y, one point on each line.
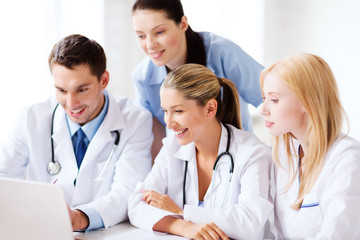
318	168
182	195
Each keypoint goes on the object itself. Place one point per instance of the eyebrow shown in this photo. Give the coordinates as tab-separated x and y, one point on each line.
272	93
172	107
178	105
160	25
80	86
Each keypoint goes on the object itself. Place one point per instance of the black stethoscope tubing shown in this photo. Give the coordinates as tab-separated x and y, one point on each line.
54	166
227	153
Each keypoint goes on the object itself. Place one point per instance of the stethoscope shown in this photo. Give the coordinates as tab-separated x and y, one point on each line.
231	168
54	166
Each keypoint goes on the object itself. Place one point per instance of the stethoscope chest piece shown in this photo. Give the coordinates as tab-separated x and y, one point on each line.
53	168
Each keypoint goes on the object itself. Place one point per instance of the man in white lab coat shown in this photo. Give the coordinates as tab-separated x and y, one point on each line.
95	145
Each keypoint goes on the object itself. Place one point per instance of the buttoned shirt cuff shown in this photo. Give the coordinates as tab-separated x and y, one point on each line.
95	220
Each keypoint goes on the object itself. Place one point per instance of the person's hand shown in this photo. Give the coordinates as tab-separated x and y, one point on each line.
79	220
207	231
161	201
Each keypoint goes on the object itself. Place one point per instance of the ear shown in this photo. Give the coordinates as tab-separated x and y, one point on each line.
104	80
184	23
211	108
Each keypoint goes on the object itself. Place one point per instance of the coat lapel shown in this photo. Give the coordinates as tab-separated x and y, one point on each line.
187	153
103	138
63	149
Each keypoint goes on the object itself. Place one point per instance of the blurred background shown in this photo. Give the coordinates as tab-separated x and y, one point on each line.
268	30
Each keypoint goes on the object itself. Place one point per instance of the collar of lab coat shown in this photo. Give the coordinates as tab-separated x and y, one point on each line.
186	152
114	119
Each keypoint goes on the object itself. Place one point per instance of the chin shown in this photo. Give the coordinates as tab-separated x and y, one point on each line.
183	142
158	63
78	121
276	133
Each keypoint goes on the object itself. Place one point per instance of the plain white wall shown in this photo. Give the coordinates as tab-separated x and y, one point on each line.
29	29
120	45
328	28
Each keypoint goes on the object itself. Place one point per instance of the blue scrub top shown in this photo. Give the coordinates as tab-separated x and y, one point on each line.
224	58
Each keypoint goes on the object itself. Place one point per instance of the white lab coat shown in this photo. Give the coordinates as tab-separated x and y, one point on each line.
336	192
30	149
247	204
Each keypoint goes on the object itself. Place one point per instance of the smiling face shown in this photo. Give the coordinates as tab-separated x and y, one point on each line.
161	38
185	117
282	111
79	92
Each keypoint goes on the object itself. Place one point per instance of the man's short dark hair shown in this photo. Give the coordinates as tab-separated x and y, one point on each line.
76	50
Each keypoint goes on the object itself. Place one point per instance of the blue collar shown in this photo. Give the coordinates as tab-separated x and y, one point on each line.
91	127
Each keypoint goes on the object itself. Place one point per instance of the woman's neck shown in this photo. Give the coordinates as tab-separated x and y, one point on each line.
206	153
208	145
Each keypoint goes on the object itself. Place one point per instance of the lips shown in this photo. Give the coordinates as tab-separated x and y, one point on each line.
77	112
157	54
268	124
180	133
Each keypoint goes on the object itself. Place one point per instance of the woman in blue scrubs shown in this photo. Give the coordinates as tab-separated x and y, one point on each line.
166	37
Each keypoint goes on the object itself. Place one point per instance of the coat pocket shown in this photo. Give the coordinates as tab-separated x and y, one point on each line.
309	218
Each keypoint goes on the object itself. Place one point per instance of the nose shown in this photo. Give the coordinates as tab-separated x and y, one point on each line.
150	42
168	119
263	109
71	100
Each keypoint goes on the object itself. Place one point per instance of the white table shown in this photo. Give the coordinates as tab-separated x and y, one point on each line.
123	231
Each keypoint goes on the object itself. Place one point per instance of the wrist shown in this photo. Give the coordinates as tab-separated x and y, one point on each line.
80	221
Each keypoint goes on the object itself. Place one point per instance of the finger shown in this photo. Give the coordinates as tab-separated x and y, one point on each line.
152	196
146	197
154	204
149	196
213	234
145	194
219	232
198	237
204	232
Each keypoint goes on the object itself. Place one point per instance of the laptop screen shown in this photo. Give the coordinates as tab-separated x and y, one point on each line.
33	211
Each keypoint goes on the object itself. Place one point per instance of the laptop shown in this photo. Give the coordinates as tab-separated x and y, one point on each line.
33	211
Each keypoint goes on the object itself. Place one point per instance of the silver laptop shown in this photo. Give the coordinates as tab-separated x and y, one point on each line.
33	211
